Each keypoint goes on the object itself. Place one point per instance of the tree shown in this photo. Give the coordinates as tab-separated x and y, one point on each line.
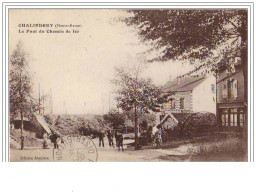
22	103
114	118
195	35
192	34
136	94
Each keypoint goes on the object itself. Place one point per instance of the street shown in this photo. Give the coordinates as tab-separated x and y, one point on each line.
105	154
176	152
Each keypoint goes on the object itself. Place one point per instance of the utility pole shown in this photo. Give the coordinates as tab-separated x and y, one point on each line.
50	102
109	102
43	102
39	100
102	103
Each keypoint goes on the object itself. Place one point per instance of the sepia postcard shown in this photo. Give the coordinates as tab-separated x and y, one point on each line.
128	85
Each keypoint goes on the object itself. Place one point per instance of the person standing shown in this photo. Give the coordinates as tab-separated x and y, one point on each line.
101	139
154	135
115	135
110	138
54	138
160	137
21	142
120	140
45	145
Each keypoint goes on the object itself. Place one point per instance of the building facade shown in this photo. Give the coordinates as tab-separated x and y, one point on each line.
231	98
190	94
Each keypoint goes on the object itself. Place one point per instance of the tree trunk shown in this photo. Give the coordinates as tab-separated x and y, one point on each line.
21	132
136	144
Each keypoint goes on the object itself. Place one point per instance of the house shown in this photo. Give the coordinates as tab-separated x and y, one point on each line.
186	95
190	94
231	97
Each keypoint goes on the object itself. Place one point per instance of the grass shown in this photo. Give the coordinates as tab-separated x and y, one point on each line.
232	149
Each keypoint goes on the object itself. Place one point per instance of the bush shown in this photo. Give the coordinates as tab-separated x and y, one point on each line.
197	124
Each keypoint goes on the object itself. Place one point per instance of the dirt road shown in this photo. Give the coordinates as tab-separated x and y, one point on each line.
182	152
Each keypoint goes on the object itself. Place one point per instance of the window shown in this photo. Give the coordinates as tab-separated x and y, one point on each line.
233	117
229	89
232	89
166	106
223	120
241	118
224	89
172	103
235	88
224	117
181	103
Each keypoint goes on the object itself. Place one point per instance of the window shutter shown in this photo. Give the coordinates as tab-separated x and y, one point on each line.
225	89
235	88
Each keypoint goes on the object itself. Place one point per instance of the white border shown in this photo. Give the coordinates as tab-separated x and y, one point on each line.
127	6
129	178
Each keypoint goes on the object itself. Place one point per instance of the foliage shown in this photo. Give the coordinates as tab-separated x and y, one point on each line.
71	124
189	34
196	123
212	38
20	86
114	118
136	93
142	117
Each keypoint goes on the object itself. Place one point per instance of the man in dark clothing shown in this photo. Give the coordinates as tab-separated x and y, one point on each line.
110	138
54	138
21	142
119	140
101	139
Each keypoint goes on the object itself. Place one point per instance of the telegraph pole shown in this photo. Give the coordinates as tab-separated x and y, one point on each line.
50	102
109	102
39	99
102	103
43	102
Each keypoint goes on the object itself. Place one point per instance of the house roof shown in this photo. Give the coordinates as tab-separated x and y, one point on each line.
175	121
42	122
187	83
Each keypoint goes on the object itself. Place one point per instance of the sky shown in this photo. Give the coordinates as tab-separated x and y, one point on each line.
78	67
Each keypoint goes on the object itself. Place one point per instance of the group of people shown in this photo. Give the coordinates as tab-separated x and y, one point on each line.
111	134
157	134
54	137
